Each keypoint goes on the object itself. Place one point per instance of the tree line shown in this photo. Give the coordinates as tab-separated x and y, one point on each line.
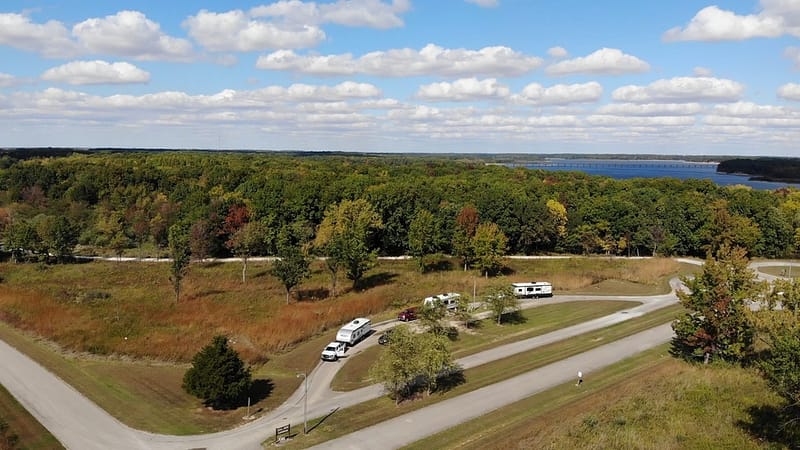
250	204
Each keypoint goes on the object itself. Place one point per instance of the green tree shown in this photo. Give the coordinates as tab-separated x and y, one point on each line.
465	310
344	236
423	239
181	256
217	376
20	238
489	246
248	240
435	359
291	267
716	323
398	364
57	236
431	315
501	301
778	325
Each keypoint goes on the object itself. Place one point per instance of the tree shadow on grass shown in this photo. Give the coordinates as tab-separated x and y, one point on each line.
375	280
450	381
514	318
438	265
260	390
312	294
766	424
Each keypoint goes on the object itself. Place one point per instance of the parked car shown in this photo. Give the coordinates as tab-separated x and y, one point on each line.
407	315
385	337
334	351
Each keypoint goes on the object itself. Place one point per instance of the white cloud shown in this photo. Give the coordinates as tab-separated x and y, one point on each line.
485	3
353	13
7	80
406	62
463	90
790	91
127	33
681	89
651	109
557	52
749	109
131	34
776	18
560	94
51	39
96	72
640	121
606	61
365	13
702	72
235	31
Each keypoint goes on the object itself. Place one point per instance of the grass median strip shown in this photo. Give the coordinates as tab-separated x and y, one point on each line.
647	400
374	411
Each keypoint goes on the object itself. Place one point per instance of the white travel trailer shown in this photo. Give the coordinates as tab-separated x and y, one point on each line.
354	331
533	289
449	301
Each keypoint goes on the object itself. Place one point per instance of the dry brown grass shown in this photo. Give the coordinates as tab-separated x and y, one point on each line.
128	308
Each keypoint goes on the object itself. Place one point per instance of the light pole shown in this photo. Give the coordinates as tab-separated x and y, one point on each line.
305	401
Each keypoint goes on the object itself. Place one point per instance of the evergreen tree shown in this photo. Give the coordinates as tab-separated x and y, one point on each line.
217	376
716	323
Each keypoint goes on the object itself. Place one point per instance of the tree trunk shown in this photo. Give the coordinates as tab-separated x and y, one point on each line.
287	296
244	270
706	358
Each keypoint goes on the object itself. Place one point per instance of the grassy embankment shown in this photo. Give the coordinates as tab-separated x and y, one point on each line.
93	307
649	401
29	433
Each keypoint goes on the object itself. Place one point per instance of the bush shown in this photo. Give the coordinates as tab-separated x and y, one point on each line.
218	376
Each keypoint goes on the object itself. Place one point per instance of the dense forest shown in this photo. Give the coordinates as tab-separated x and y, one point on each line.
113	202
767	169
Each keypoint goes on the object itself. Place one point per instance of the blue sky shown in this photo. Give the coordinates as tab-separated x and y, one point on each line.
505	76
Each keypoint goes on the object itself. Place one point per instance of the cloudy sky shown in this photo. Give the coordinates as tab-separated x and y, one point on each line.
522	76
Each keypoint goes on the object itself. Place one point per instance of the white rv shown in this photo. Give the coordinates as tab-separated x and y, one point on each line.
334	351
449	301
533	289
354	331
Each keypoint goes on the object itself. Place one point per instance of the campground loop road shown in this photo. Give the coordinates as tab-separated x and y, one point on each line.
80	424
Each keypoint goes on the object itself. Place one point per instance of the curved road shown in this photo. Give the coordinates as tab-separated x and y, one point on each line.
80	424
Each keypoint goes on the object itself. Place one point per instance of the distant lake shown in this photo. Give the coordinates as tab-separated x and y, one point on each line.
623	169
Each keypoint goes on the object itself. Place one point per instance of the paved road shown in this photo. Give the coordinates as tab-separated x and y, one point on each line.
80	424
411	427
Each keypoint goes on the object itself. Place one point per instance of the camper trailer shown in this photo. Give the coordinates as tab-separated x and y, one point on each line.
449	301
533	289
354	331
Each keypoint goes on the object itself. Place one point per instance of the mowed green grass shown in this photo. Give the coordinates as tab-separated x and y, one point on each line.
781	271
83	312
351	419
487	334
30	433
650	401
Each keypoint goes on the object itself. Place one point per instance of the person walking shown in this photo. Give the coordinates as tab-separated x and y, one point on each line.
580	378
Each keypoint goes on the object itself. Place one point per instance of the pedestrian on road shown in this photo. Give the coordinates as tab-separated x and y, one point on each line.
580	378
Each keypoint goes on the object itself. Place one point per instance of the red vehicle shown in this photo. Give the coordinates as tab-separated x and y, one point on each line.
407	314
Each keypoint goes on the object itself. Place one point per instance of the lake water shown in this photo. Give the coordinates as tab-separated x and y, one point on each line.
624	169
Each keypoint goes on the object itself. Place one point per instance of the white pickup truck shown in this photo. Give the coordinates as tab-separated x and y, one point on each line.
334	351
